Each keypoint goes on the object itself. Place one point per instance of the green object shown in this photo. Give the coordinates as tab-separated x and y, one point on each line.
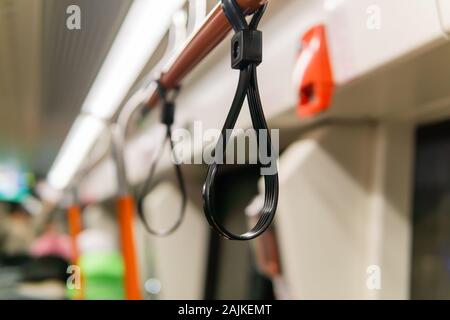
103	276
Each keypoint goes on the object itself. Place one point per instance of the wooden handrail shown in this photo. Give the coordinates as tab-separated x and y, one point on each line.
213	30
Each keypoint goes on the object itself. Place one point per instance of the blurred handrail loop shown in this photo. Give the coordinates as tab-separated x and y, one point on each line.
246	55
197	12
167	118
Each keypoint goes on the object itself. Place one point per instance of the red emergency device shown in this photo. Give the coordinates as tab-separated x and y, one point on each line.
313	73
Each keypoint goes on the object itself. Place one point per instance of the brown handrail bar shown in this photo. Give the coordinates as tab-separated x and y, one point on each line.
213	30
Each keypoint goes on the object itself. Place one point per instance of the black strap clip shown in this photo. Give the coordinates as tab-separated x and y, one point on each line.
246	44
168	103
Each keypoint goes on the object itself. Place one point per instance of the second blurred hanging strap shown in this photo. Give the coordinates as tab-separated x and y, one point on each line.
246	55
167	118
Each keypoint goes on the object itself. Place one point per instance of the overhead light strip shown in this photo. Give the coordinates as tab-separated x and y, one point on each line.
140	34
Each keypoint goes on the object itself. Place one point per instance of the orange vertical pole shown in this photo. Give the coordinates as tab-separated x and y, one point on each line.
75	226
126	211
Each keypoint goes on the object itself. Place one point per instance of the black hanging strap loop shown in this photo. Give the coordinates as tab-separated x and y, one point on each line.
246	44
167	118
246	55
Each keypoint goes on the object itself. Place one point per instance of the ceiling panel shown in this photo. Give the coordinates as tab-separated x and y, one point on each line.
19	75
46	71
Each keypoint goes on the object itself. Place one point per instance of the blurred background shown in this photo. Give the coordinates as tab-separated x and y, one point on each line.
359	91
